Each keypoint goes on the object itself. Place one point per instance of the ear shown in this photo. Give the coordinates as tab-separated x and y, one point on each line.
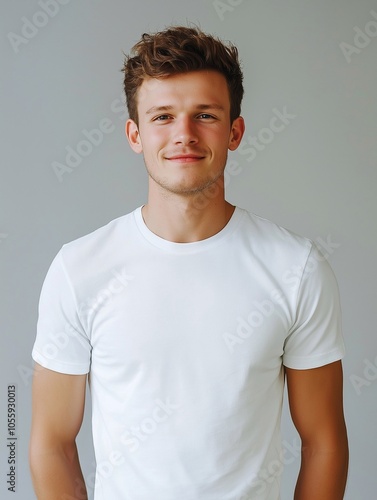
236	133
133	136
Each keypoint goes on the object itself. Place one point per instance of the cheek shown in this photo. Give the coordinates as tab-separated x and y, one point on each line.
220	145
218	137
153	139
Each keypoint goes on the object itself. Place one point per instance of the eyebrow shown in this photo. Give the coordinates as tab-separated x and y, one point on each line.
199	107
157	109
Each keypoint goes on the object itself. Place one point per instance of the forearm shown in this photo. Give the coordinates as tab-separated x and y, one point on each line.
323	474
57	476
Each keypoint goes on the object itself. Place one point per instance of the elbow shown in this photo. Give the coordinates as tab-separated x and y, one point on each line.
33	456
331	450
43	451
38	451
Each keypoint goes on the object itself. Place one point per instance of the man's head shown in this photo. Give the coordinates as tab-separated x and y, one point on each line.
181	50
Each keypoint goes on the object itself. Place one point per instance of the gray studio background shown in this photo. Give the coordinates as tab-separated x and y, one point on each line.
315	61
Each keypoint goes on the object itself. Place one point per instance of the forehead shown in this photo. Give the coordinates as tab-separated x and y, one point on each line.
192	88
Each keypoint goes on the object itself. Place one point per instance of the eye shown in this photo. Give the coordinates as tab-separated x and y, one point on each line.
206	116
161	118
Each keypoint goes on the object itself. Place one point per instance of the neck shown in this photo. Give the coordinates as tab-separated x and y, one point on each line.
185	219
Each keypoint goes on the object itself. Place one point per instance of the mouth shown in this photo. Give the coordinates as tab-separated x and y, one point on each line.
185	158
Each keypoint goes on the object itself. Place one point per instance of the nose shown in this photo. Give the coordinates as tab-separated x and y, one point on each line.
185	131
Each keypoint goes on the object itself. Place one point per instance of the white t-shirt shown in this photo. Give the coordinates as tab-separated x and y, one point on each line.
185	345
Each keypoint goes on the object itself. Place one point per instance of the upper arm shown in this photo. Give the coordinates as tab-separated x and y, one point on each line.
316	404
57	409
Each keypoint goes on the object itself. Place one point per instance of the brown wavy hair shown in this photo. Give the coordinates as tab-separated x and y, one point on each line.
181	49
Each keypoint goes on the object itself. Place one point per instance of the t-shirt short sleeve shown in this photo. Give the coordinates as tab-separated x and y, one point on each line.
61	343
315	338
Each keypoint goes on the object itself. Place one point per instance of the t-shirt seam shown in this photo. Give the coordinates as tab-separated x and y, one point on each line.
307	362
72	290
302	277
315	356
55	362
166	248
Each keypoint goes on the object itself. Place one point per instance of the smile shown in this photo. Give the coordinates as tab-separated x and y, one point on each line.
185	158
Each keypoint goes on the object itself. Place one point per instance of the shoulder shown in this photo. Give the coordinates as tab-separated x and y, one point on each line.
100	242
273	241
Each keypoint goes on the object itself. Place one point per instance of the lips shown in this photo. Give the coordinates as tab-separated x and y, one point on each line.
185	157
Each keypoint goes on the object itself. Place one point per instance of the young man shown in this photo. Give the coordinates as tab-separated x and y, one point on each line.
187	315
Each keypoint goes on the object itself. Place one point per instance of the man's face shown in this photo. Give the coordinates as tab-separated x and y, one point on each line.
184	130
